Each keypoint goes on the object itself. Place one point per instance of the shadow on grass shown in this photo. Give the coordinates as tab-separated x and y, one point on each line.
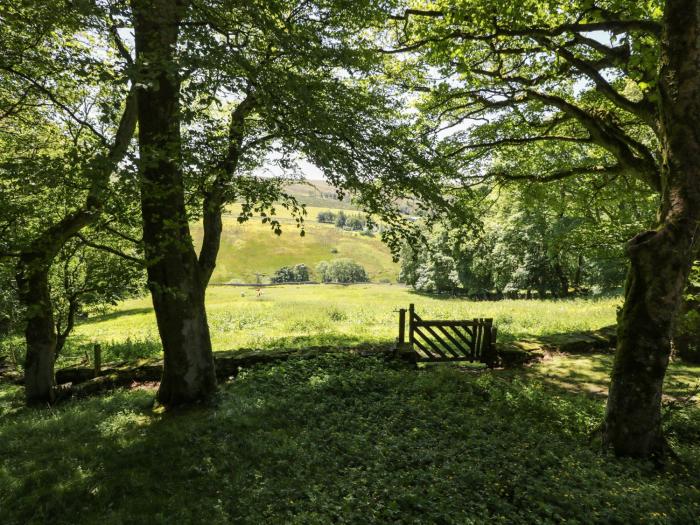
330	440
116	315
320	340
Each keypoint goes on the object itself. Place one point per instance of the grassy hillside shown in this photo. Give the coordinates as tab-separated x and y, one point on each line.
250	248
319	193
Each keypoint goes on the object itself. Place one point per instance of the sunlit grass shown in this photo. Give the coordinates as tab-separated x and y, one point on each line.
252	248
319	315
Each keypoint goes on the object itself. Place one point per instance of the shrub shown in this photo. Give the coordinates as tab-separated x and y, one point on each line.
687	335
291	274
327	217
341	271
341	219
355	223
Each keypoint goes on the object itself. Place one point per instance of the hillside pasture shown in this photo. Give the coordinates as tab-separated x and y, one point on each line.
252	248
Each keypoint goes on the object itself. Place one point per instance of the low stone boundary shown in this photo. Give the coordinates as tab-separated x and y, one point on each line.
528	350
81	381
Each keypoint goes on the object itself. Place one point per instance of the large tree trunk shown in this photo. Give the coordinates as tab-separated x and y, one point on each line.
40	334
660	259
173	272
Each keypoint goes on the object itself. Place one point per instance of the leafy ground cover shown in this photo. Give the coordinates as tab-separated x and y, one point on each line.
340	439
299	316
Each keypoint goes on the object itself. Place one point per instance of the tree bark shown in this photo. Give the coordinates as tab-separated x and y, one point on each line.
660	260
216	196
35	261
63	333
40	336
173	271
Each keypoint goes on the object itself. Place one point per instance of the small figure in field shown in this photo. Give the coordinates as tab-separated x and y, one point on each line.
259	292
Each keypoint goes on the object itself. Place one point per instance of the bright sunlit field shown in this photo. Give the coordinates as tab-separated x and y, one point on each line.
297	316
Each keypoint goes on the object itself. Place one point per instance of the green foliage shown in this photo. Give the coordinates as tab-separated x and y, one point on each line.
341	270
341	219
291	274
551	240
338	439
10	309
327	217
687	331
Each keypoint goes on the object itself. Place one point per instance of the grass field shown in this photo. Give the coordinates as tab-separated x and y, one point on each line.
340	439
296	316
252	247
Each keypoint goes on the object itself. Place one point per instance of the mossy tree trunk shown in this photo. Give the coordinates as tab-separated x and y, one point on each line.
660	259
40	335
174	278
35	260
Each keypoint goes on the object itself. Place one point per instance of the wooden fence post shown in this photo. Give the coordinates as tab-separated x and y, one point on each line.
402	326
98	359
411	311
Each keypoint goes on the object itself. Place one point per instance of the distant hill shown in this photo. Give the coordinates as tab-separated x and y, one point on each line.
319	193
252	248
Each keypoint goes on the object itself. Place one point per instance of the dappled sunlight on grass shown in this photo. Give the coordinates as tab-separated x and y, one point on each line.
591	374
339	439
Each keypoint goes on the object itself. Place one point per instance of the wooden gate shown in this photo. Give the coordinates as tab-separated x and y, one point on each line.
437	340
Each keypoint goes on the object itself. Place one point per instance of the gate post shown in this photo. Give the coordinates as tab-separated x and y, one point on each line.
489	351
404	349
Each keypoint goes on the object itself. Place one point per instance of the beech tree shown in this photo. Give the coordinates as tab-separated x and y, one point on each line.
296	78
67	121
592	88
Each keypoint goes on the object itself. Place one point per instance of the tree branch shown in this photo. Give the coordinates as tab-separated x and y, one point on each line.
560	175
110	249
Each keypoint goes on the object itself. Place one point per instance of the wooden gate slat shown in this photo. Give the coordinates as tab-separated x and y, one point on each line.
434	322
478	332
449	340
460	346
468	341
423	349
441	341
437	350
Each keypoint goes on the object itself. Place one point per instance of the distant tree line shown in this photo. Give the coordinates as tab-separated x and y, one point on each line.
341	271
343	220
534	242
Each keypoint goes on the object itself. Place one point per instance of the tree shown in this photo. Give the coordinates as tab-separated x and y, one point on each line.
327	217
268	63
686	337
587	88
341	270
341	219
86	279
62	142
298	273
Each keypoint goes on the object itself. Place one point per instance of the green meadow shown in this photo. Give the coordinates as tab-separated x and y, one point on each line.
297	316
